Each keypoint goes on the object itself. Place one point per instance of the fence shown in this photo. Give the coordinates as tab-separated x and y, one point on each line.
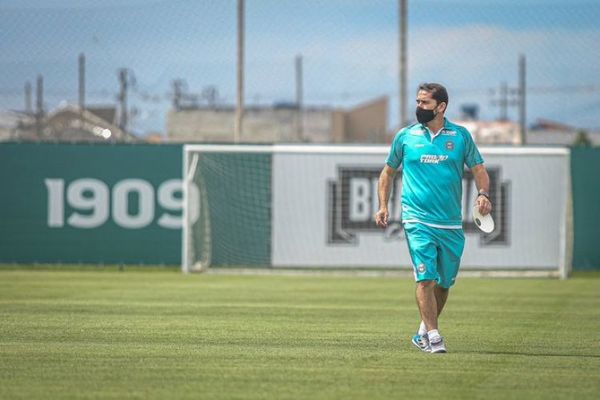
146	58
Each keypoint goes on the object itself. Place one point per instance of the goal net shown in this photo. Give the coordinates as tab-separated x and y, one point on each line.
227	206
306	206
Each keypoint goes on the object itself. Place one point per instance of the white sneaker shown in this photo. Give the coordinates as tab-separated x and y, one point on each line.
421	342
437	345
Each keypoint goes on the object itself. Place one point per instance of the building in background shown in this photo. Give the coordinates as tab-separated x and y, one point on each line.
67	123
541	133
493	132
507	132
551	132
12	122
282	123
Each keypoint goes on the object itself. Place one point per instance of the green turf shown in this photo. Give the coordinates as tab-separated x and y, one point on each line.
159	334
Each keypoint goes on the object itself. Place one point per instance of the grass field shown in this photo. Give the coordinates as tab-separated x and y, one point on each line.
158	334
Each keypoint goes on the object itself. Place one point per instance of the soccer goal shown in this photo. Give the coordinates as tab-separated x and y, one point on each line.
311	207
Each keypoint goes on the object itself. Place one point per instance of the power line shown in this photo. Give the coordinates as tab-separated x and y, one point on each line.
145	94
564	89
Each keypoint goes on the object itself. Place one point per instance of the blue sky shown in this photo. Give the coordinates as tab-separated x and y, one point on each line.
349	48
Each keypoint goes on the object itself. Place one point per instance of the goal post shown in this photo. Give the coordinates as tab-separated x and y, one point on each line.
226	206
311	207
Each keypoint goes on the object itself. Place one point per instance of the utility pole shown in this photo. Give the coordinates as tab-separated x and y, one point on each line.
503	101
522	99
402	61
28	108
81	87
239	109
211	95
178	85
39	104
123	99
299	99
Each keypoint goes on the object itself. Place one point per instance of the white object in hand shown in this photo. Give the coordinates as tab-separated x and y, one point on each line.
483	222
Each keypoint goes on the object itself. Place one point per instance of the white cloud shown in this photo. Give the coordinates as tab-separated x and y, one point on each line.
481	53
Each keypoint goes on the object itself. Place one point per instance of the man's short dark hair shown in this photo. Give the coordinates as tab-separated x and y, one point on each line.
438	92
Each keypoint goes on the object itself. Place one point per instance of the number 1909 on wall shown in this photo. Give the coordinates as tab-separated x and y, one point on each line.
131	202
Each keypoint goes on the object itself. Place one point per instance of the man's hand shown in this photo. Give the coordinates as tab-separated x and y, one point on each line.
381	217
482	182
484	204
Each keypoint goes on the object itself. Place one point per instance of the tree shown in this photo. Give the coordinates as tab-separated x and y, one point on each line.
582	139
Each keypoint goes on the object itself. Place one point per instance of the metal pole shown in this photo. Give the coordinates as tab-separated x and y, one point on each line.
28	108
522	99
123	99
81	87
402	62
177	94
299	97
39	103
239	109
504	101
81	81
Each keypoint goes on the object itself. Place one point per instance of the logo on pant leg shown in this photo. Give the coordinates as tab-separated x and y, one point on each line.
421	268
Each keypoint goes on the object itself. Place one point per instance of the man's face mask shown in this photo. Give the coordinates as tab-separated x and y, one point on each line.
424	116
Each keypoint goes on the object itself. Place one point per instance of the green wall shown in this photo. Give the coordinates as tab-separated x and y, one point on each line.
96	203
585	173
98	224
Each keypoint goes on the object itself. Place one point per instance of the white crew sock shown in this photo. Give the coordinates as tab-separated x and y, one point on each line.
422	329
433	334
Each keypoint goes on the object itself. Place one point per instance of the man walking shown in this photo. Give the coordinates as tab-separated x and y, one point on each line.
432	153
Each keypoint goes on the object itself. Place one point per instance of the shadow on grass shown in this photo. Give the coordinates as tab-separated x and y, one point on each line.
530	354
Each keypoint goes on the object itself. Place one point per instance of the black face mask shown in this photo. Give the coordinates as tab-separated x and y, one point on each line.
424	116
